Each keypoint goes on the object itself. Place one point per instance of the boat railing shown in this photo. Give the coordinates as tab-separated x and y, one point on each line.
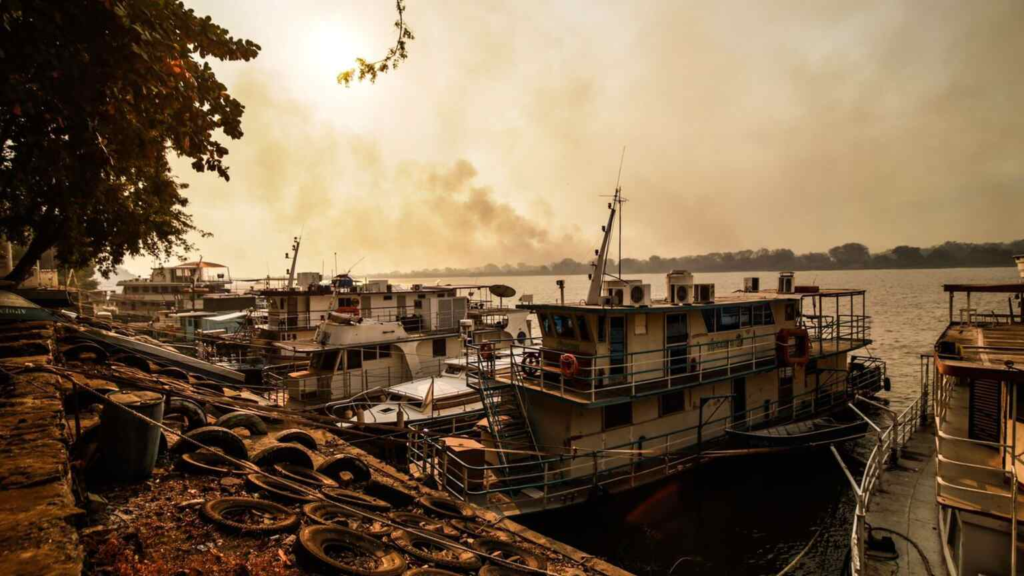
330	385
561	474
965	476
600	377
836	332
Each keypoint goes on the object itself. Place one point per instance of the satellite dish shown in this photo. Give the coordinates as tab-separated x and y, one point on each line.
503	291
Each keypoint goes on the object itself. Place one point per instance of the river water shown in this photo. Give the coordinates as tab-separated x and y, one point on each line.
755	515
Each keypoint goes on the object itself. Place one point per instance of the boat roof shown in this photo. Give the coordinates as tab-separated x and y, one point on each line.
199	264
729	299
994	351
17	308
443	386
228	316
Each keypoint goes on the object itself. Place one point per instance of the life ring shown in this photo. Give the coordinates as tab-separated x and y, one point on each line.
569	365
352	310
786	356
487	350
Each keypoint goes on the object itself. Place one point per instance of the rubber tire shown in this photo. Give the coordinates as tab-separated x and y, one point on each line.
304	475
357	499
214	512
335	465
447	508
247	420
172	372
418	521
133	361
282	454
277	489
203	462
475	529
428	571
319	512
192	412
396	495
75	352
297	436
486	546
217	437
407	542
313	539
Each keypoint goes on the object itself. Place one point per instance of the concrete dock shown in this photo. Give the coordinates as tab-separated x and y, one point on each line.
905	503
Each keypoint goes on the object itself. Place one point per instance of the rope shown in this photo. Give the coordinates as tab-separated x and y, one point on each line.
800	556
920	551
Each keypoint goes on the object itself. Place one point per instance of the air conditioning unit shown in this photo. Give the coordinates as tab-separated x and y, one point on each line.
703	293
786	281
752	284
640	295
679	287
621	292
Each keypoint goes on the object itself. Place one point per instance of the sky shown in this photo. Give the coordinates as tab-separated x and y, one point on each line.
745	125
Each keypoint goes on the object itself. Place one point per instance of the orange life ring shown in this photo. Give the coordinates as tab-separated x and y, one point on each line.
786	356
487	350
569	365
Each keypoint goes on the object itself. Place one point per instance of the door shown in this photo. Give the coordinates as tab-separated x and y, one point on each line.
739	403
984	413
401	306
617	348
676	338
292	311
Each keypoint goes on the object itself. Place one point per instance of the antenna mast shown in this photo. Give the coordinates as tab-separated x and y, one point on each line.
594	294
295	259
618	196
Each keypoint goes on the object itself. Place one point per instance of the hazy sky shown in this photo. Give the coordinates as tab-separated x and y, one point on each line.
746	124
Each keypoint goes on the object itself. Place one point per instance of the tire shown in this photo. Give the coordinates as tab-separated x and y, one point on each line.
306	476
194	415
395	494
216	437
447	508
418	521
247	420
282	454
335	465
427	571
314	541
476	529
333	515
210	387
133	361
277	489
357	499
221	510
172	372
300	437
510	553
206	462
435	550
77	351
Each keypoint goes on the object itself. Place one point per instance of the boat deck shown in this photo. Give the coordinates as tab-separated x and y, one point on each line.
906	504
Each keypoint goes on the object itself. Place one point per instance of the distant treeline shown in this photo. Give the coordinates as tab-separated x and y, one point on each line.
850	256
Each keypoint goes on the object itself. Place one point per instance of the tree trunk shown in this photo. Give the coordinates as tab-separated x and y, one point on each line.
41	242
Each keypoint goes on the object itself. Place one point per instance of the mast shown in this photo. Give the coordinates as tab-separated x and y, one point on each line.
295	259
594	295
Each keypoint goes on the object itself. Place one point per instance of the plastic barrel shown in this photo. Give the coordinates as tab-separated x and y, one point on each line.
131	445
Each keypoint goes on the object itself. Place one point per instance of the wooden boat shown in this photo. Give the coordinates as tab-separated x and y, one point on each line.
812	432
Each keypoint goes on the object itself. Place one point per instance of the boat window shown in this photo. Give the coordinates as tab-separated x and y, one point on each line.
601	322
727	318
617	415
676	331
545	323
389	297
369	353
762	315
354	360
709	319
384	351
673	402
564	326
745	316
440	347
584	328
790	311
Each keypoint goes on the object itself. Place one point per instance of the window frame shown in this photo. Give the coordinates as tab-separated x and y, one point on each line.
619	406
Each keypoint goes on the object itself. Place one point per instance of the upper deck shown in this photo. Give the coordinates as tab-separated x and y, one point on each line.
977	402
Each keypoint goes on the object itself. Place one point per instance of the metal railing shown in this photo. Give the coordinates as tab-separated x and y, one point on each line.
561	475
986	487
887	446
325	387
836	333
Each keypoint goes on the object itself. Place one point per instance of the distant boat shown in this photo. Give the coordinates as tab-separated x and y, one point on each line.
820	431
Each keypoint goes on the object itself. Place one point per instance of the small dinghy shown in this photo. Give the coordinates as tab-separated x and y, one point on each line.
811	432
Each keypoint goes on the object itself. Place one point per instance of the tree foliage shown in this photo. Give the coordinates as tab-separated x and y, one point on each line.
96	94
365	70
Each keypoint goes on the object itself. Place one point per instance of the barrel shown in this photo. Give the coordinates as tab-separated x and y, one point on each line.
129	444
